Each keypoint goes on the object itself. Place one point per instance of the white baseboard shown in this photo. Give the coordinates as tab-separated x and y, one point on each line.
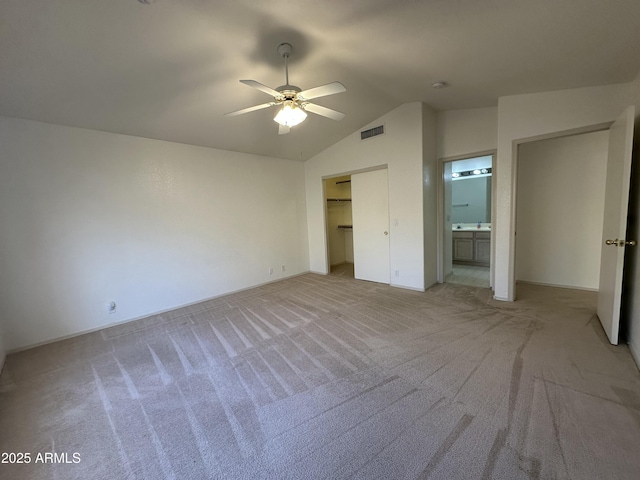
502	299
571	287
114	324
406	287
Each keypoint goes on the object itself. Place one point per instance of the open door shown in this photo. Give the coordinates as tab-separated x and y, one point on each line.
614	228
370	211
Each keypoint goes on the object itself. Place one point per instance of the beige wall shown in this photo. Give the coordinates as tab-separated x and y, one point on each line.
463	133
90	217
430	192
560	206
523	118
401	149
467	131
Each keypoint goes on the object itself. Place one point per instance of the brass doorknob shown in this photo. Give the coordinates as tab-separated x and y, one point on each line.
386	233
620	243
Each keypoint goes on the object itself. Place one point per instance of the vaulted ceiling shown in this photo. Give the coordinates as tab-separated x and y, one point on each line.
169	70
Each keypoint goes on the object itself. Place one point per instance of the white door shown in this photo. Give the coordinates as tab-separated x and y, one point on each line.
614	228
370	211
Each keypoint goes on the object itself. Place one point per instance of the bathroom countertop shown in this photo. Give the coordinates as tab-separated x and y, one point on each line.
471	229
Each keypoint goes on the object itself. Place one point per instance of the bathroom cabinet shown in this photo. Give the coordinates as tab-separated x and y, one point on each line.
472	248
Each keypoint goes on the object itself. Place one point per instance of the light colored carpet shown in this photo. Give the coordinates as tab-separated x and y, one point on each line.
324	377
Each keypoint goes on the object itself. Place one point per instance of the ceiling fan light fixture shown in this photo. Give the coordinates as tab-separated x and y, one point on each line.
290	115
293	102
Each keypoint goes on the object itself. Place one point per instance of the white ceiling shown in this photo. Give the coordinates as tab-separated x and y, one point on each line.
170	70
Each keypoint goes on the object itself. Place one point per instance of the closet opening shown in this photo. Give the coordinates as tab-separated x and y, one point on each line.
339	225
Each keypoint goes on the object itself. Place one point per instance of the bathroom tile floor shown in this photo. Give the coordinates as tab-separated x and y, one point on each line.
469	275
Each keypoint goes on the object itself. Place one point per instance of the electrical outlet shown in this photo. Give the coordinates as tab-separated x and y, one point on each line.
397	272
283	268
271	271
111	307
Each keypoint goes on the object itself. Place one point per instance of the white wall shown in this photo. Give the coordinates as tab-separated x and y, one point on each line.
560	207
400	148
463	133
430	194
88	217
535	116
467	131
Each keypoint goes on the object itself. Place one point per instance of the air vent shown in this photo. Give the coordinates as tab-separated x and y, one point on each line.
372	132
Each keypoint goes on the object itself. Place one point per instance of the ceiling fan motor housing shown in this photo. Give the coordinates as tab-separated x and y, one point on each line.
289	92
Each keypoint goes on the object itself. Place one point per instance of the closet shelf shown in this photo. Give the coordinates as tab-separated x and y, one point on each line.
338	199
345	226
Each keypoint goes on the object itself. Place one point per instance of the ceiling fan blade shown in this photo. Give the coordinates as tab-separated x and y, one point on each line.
283	129
261	87
324	111
250	109
322	91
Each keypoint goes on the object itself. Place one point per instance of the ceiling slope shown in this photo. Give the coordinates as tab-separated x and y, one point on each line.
170	70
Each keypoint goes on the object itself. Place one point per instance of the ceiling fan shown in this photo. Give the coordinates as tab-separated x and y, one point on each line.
293	101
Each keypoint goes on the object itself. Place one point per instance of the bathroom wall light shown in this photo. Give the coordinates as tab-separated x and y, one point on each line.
471	173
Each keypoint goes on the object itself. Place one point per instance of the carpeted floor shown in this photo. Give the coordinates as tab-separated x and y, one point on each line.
326	377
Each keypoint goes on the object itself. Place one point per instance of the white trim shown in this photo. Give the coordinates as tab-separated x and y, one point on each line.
515	145
557	285
404	287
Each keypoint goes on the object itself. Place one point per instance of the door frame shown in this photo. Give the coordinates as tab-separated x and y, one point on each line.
327	260
440	206
514	189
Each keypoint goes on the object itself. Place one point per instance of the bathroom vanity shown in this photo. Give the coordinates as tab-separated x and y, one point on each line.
472	245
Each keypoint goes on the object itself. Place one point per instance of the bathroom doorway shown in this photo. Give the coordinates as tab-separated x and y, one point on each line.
467	206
